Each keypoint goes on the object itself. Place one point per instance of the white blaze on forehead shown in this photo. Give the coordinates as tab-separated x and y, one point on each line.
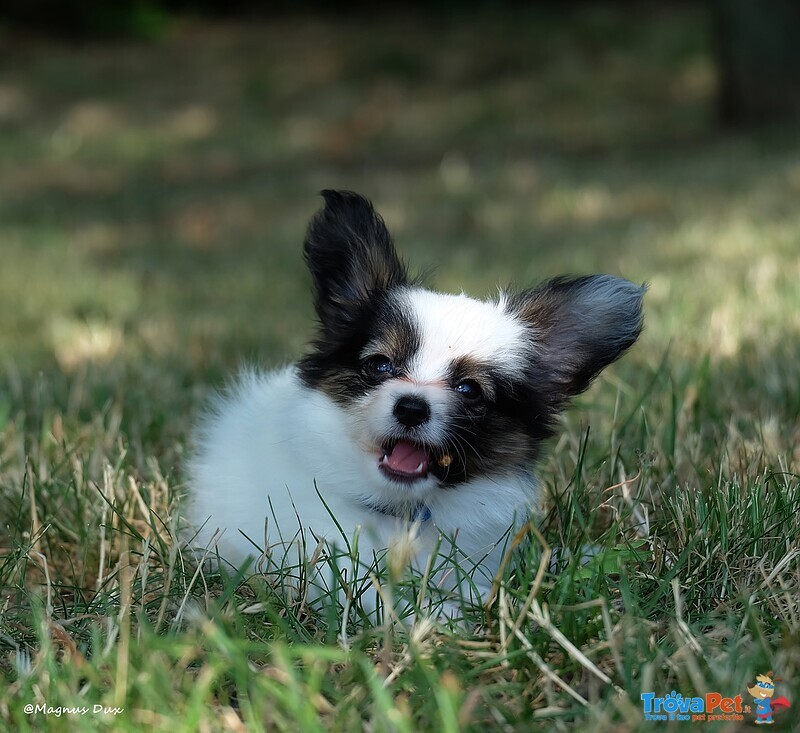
455	326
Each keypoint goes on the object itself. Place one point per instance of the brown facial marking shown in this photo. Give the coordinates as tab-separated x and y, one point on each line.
466	367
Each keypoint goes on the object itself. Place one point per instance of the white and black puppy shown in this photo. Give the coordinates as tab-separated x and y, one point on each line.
412	410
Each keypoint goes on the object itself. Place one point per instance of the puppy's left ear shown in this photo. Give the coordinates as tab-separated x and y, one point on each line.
578	327
351	257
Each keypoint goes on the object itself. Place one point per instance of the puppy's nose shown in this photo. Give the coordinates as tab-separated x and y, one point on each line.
412	411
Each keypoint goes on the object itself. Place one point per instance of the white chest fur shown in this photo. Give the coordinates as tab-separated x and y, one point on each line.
274	457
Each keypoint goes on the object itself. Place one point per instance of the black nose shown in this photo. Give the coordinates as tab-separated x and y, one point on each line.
411	411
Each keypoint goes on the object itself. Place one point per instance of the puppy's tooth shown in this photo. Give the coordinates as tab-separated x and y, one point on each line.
419	468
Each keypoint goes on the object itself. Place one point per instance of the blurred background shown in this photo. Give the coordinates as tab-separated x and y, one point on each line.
159	162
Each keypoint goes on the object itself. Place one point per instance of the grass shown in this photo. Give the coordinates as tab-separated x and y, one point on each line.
152	204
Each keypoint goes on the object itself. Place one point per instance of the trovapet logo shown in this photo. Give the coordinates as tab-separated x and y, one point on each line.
711	706
765	702
714	706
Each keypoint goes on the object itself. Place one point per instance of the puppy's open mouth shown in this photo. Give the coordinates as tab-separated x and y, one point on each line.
405	460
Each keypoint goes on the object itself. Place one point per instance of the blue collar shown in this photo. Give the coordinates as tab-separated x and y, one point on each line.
415	513
421	513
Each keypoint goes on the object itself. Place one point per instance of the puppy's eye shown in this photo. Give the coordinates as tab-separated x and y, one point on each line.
469	389
378	366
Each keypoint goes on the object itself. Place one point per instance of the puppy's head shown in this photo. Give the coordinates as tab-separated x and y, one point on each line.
444	388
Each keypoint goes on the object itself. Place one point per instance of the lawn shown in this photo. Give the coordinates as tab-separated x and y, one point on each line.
153	200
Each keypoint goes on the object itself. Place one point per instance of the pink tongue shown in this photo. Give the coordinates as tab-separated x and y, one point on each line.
408	458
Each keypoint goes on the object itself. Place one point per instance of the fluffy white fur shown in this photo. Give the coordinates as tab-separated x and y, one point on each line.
323	450
271	450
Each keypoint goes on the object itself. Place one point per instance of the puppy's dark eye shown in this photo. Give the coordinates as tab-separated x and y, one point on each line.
469	389
378	366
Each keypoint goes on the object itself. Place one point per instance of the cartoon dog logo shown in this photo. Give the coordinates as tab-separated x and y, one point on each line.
762	692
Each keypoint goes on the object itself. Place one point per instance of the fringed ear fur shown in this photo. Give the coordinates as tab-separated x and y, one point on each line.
578	327
350	254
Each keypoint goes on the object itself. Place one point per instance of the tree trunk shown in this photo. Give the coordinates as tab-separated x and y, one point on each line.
758	50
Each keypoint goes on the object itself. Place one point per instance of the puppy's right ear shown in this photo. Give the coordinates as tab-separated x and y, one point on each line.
351	257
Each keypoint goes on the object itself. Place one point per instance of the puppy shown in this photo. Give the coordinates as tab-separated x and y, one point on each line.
413	411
